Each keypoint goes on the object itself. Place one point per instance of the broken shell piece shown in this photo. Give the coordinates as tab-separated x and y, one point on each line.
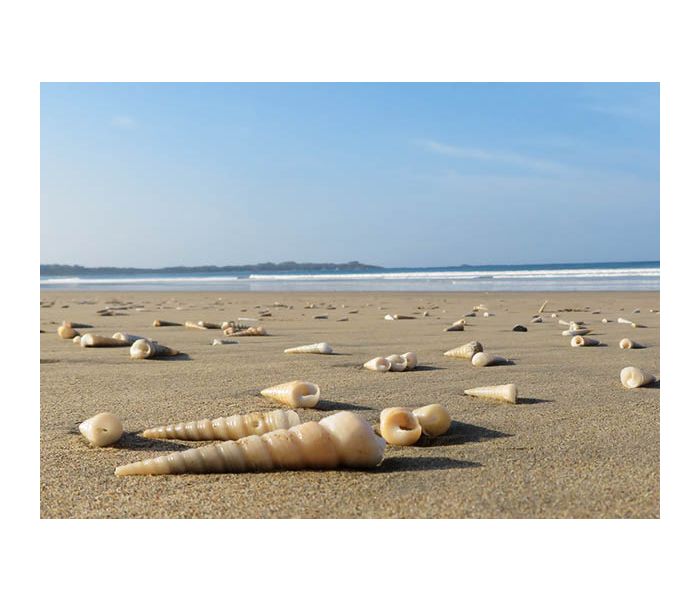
504	393
147	349
380	364
434	419
632	377
159	323
466	351
128	337
399	426
578	341
397	363
320	348
297	394
628	344
90	340
486	359
222	342
458	327
102	429
226	428
341	440
411	360
66	332
575	332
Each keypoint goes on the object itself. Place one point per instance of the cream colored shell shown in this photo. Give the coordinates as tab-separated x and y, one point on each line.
320	348
399	426
632	377
90	340
66	332
504	393
379	363
433	418
411	360
578	340
102	430
297	394
397	363
628	344
466	351
147	349
486	359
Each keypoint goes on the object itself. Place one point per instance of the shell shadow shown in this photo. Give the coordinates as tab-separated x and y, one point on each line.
425	368
333	405
532	401
462	433
395	464
134	441
177	357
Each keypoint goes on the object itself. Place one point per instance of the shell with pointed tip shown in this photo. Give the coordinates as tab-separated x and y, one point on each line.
466	351
220	342
207	325
433	418
486	359
578	341
226	428
411	360
341	440
575	332
504	393
297	394
399	426
66	332
397	363
193	325
251	331
147	349
128	337
102	429
632	377
457	327
320	348
90	340
628	344
624	321
380	364
159	323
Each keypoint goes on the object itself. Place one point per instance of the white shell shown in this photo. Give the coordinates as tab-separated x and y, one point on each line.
128	337
486	359
66	332
466	351
397	363
90	340
504	393
320	348
578	341
632	377
433	418
380	364
147	349
399	426
102	429
297	394
222	342
575	332
628	344
411	360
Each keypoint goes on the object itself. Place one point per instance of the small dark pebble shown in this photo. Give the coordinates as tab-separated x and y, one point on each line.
520	328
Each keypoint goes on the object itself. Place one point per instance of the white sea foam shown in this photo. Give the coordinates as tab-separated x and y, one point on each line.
134	280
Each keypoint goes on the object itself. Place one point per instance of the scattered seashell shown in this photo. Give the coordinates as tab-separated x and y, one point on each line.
579	340
461	322
411	360
628	344
353	312
479	308
626	322
320	348
562	322
454	328
297	394
147	349
521	328
102	429
75	325
632	377
433	418
605	320
128	337
193	325
554	315
397	363
595	312
76	339
160	323
536	320
66	332
541	309
249	332
90	340
380	364
320	316
504	393
426	314
343	319
397	317
226	428
341	440
399	426
466	351
222	342
486	314
207	325
575	332
486	359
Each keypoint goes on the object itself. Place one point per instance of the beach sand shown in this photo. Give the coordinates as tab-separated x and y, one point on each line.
580	445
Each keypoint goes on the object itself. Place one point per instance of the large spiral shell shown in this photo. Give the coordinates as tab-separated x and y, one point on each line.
399	426
504	393
297	394
147	349
320	348
102	429
433	418
632	377
341	440
466	351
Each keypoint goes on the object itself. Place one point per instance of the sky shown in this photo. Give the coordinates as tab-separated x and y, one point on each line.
155	175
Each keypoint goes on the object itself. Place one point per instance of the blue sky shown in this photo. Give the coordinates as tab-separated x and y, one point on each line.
152	175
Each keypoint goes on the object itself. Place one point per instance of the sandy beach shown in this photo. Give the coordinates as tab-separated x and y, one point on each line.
578	445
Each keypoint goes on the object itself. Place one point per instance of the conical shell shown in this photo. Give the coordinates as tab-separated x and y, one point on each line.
411	360
624	321
147	349
458	327
397	363
632	377
399	426
193	325
207	325
578	341
486	359
90	340
297	394
320	348
159	323
504	393
251	331
628	344
434	419
341	440
379	363
102	429
66	332
221	342
226	428
575	332
466	351
128	337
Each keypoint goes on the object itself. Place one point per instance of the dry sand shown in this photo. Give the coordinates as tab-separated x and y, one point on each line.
580	445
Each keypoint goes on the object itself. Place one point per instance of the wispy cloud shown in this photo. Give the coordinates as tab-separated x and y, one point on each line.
486	155
123	122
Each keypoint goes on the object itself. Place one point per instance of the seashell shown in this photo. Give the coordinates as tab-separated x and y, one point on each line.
102	429
128	337
397	317
579	340
434	419
147	349
207	325
628	344
353	312
341	440
632	377
411	360
541	309
160	323
562	322
486	359
479	308
76	339
554	315
461	321
399	426
66	332
595	312
426	313
193	325
466	351
250	331
343	319
504	393
380	364
222	342
626	322
226	428
575	332
604	320
520	328
458	327
536	320
397	363
486	314
90	340
297	394
635	311
320	348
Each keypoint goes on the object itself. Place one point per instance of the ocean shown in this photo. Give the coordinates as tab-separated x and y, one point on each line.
622	276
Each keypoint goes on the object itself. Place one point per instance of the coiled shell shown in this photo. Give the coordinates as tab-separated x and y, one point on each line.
399	426
632	377
66	332
628	344
226	428
486	359
341	440
379	363
397	363
411	360
297	394
578	341
320	348
466	351
147	349
102	429
433	418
